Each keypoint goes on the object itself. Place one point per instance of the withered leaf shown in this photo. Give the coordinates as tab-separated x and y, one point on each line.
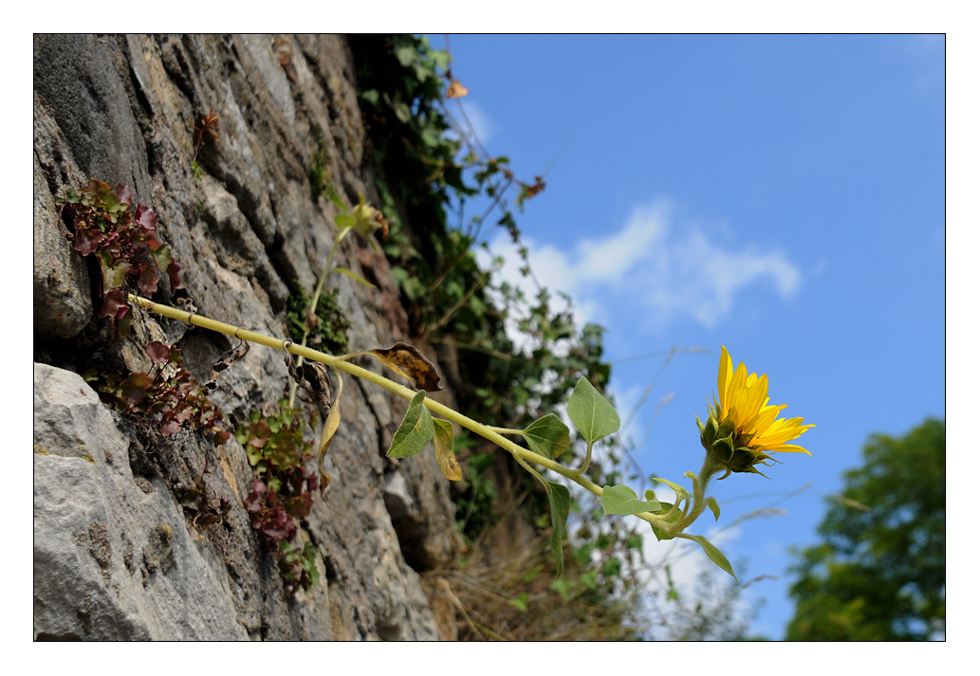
312	377
445	455
330	427
456	90
227	359
407	361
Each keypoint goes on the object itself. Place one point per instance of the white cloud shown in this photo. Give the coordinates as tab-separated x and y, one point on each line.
669	269
482	124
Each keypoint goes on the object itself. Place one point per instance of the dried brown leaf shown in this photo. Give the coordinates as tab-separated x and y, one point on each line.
456	90
330	427
407	361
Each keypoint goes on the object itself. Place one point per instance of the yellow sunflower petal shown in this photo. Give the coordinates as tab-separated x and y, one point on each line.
789	448
724	375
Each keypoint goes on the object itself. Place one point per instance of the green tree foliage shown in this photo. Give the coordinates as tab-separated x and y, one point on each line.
880	573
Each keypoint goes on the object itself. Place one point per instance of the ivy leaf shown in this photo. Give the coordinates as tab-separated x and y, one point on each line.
445	454
371	96
622	500
591	412
547	436
415	432
356	277
561	502
405	53
714	554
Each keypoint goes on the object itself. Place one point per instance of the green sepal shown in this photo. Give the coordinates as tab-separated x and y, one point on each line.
723	449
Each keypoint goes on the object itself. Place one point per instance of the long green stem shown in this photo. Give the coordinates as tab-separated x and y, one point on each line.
490	433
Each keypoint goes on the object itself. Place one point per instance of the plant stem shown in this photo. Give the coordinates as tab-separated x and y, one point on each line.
485	431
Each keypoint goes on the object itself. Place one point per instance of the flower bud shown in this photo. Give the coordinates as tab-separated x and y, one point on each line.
727	448
368	219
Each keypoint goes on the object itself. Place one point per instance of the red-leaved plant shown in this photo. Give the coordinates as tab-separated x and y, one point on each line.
168	395
123	240
282	491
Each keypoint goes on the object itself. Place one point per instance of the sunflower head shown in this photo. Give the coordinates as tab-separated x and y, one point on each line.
742	429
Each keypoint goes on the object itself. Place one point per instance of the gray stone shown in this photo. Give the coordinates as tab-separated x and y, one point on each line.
62	301
89	518
116	557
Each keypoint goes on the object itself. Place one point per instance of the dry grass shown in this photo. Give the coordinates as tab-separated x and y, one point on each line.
513	596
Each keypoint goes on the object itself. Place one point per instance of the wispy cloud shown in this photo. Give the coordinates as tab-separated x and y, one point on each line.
664	269
483	126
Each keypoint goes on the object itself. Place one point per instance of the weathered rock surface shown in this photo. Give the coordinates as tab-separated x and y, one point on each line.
115	556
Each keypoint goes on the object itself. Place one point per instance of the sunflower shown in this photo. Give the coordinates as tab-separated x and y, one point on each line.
742	428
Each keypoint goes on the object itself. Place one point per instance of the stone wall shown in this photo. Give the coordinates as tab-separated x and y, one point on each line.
115	556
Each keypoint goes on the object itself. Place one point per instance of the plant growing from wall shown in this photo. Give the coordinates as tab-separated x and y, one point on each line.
201	505
168	395
741	432
327	325
282	491
104	224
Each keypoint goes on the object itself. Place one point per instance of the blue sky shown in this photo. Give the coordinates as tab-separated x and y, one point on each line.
783	196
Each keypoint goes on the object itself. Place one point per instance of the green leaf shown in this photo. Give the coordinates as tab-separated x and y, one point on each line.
521	602
335	198
622	500
415	432
405	53
344	221
660	534
547	436
591	412
371	96
445	454
356	277
713	506
714	554
679	490
561	502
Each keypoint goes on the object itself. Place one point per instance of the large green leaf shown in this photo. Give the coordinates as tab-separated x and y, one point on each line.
547	436
415	432
561	502
622	500
591	412
714	554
